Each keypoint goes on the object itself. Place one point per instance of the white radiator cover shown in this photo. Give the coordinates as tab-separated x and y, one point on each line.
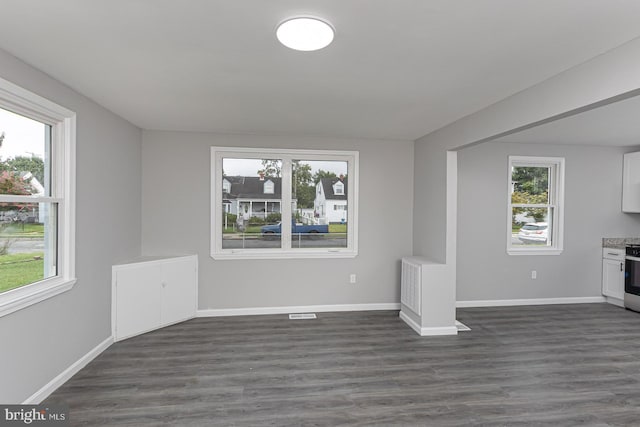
425	290
411	286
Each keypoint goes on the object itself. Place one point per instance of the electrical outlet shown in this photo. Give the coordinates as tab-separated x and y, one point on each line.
352	278
534	274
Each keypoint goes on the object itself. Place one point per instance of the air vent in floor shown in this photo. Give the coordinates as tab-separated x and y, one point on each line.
302	316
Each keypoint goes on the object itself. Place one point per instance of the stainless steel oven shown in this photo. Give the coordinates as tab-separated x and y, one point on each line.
632	278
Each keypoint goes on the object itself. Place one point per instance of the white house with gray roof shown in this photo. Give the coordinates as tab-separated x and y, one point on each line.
330	203
248	196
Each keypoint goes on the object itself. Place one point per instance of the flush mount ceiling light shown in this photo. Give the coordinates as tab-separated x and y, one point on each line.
305	33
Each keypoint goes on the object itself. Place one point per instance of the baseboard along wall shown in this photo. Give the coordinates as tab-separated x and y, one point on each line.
295	309
65	375
532	301
252	311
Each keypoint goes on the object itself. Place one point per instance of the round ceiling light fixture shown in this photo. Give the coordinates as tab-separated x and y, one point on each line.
305	33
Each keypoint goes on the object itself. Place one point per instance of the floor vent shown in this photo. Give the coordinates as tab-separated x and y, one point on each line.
462	327
302	316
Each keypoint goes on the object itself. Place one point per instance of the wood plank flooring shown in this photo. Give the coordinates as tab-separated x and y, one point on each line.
534	365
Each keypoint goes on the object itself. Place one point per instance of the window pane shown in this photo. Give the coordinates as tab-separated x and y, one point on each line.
531	226
251	203
319	206
24	155
28	236
530	185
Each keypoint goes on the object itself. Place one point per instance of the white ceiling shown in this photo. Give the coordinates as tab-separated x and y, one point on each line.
396	69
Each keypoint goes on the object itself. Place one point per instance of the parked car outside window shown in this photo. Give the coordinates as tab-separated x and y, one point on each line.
534	232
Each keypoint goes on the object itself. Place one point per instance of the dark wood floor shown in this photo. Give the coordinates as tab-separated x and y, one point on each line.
539	365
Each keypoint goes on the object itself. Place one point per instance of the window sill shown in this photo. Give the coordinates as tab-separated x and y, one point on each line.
537	251
240	254
23	297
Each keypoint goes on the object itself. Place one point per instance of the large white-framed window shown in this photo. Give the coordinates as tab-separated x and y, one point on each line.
37	198
295	220
535	212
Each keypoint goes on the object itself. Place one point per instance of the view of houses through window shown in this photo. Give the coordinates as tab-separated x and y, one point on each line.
319	218
27	220
252	198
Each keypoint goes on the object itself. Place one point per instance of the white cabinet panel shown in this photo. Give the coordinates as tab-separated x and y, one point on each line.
138	299
631	183
613	278
149	294
179	292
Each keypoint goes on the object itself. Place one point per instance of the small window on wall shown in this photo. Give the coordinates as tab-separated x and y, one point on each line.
338	188
255	189
269	187
535	206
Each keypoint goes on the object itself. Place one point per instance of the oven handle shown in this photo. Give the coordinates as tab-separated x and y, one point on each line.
632	258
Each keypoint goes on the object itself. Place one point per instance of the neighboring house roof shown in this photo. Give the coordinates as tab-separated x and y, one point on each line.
250	187
327	187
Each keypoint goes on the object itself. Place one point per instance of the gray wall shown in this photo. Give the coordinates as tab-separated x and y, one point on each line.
430	202
593	186
176	189
41	341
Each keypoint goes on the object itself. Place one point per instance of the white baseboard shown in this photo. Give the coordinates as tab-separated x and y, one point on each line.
253	311
295	309
423	332
533	301
65	375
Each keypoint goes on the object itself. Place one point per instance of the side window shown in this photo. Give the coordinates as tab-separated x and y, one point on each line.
28	231
37	207
535	220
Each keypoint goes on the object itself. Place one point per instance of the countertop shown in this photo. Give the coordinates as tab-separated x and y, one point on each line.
619	242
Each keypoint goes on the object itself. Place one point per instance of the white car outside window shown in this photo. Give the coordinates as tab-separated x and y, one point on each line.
534	232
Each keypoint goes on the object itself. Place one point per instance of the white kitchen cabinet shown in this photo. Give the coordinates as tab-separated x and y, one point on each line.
152	292
631	183
613	275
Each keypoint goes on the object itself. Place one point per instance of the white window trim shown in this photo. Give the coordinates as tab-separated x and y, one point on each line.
63	122
287	156
556	189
